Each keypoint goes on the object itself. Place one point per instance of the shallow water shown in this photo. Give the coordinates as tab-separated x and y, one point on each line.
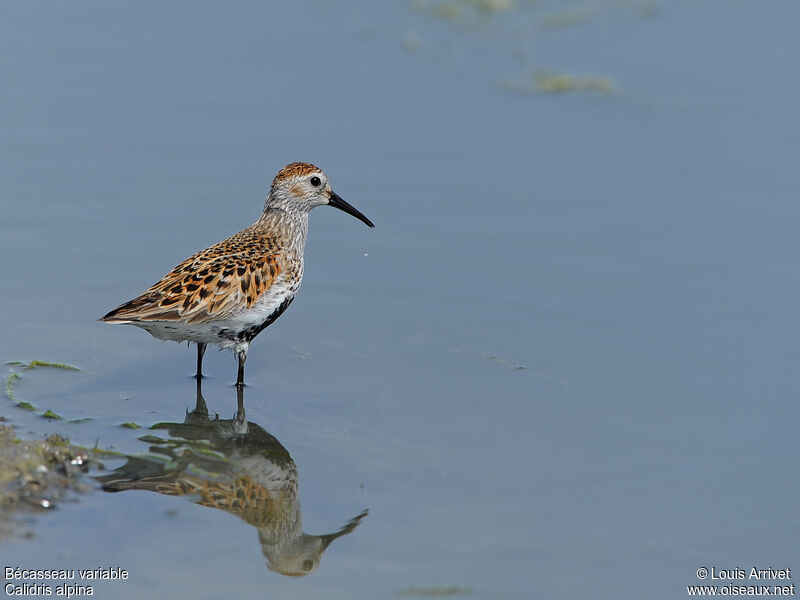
563	363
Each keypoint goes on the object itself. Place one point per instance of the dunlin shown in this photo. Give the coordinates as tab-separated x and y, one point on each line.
248	473
230	292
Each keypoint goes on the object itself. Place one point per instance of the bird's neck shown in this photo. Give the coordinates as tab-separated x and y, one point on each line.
291	227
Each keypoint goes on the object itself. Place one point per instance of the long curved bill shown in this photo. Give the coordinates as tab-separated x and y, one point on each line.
336	201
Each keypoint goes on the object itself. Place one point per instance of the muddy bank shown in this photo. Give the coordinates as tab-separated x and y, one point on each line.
36	474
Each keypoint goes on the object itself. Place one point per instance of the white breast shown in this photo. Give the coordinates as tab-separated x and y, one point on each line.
223	331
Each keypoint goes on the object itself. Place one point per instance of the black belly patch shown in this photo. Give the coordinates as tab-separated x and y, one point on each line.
246	335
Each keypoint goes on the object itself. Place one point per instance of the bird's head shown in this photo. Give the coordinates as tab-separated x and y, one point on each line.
300	187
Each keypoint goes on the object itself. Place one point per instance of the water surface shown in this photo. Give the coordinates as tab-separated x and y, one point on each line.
563	363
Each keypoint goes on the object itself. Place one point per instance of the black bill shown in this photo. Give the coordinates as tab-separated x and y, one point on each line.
351	525
336	201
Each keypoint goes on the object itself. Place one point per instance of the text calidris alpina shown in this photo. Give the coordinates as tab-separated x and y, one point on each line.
230	292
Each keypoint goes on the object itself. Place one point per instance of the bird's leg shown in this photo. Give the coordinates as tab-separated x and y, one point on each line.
240	418
240	377
200	405
201	349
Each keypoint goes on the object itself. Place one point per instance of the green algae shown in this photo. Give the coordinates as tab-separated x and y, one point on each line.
551	82
517	28
10	381
545	81
42	363
18	368
152	439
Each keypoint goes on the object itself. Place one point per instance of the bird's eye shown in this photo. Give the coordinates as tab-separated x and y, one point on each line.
315	181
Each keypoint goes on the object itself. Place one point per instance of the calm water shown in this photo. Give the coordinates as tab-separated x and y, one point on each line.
563	364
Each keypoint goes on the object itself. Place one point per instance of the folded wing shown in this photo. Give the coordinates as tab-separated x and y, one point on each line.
216	283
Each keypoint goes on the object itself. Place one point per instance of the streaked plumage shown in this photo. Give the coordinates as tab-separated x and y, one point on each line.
236	466
230	292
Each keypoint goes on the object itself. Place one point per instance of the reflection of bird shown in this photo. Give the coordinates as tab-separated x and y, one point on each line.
230	292
236	466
